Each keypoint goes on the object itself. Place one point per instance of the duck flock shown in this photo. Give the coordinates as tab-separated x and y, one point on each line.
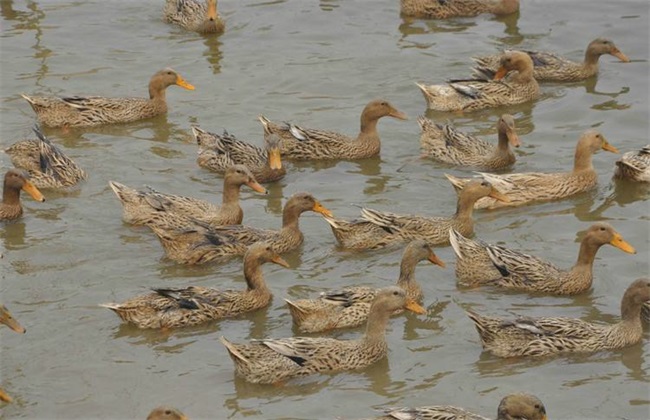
192	231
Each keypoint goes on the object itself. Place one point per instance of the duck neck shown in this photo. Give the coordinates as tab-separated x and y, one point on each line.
465	207
582	160
368	128
10	196
290	217
406	272
230	195
587	254
376	327
503	147
591	59
253	275
157	92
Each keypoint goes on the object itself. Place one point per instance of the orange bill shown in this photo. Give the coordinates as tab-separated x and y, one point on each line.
280	261
4	397
513	138
501	73
30	189
620	243
212	9
319	208
274	158
10	321
497	195
256	186
433	258
415	307
182	83
618	54
609	147
398	114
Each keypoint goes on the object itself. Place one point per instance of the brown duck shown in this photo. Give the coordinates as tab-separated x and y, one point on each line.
16	180
11	322
445	9
194	16
166	413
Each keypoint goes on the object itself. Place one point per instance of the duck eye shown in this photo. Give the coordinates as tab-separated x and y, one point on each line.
384	104
485	184
167	412
395	293
602	228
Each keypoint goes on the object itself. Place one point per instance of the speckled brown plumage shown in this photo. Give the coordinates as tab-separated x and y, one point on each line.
634	166
445	9
193	15
16	180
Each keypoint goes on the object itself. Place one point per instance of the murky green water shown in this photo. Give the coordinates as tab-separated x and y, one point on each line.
317	64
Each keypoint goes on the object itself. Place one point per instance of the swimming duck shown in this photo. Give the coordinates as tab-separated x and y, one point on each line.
376	229
349	307
16	180
445	9
194	305
550	67
194	16
88	111
151	206
310	144
7	319
527	336
202	243
166	413
274	360
634	166
47	165
474	94
445	143
523	188
511	407
218	152
479	263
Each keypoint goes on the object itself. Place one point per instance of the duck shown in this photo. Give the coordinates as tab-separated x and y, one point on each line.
15	181
512	407
194	16
526	187
377	229
543	336
203	243
551	67
188	306
166	413
300	143
150	206
466	95
89	111
445	9
479	263
47	165
271	361
349	307
218	152
634	166
11	322
445	143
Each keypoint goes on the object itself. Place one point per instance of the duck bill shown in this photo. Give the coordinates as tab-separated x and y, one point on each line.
14	325
618	54
30	189
497	195
513	138
182	83
255	186
501	73
414	307
433	258
319	208
212	10
621	244
398	114
608	147
280	261
4	396
274	158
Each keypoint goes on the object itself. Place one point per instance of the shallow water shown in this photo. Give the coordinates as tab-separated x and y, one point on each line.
317	64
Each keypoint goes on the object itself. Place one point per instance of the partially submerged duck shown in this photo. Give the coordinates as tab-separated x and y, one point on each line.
274	360
523	188
634	166
301	143
194	305
7	319
47	165
349	307
479	263
219	152
153	207
550	67
445	9
194	15
88	111
445	143
377	229
527	336
166	413
474	94
15	181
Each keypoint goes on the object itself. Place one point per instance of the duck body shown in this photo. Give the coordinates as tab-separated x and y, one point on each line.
479	263
349	307
47	165
634	166
445	9
88	111
445	143
523	188
153	207
16	180
274	360
182	307
166	413
218	152
552	335
550	67
300	143
476	94
194	15
377	229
